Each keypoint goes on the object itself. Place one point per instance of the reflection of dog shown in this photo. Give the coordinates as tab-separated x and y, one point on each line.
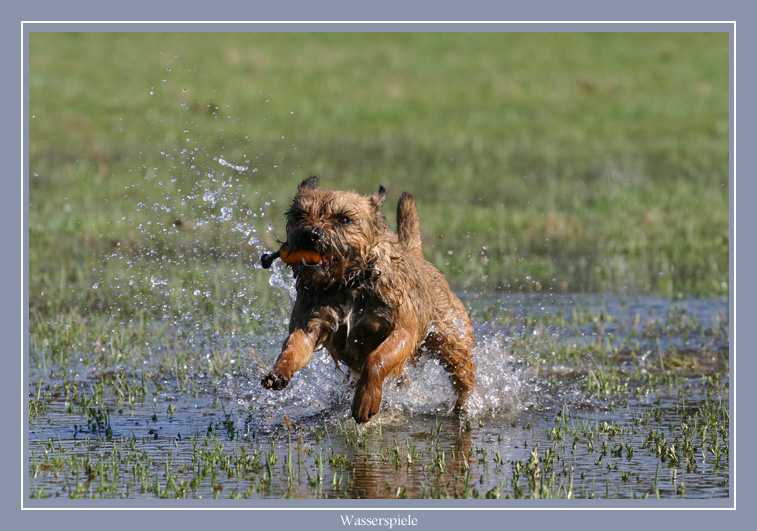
367	295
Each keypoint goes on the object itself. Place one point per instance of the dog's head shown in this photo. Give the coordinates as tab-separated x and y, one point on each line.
341	230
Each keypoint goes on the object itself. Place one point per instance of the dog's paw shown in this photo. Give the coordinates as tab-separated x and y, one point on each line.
276	382
366	403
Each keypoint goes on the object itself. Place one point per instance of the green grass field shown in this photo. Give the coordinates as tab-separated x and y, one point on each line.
578	162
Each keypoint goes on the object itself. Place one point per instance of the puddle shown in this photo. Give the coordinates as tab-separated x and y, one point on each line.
577	396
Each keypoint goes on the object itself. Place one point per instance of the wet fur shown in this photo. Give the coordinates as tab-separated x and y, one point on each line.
375	303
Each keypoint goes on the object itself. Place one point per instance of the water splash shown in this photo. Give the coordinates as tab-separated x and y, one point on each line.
190	264
196	262
238	167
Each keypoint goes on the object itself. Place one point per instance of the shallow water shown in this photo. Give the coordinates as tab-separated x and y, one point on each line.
577	396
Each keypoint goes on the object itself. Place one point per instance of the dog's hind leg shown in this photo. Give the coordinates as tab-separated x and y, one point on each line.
459	366
453	344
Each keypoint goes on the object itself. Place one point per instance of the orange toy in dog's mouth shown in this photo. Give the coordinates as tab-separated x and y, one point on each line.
309	257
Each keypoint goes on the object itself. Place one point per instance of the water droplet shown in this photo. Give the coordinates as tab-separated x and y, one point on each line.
155	281
239	168
209	197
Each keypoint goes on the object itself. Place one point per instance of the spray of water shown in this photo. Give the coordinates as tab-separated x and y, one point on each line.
194	265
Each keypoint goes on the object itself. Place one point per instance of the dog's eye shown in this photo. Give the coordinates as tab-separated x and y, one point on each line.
343	220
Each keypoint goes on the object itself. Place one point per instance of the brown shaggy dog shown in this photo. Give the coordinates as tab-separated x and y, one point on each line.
367	294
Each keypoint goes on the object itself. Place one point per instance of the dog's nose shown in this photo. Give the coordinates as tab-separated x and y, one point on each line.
308	237
314	235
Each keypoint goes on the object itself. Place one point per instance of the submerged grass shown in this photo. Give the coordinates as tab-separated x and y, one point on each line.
611	416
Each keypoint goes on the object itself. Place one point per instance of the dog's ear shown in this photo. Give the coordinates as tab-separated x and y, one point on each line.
377	199
311	183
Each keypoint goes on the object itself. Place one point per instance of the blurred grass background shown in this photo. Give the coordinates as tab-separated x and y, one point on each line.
551	161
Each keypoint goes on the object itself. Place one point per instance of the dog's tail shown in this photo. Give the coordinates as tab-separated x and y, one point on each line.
408	223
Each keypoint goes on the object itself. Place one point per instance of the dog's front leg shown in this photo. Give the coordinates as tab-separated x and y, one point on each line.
296	353
388	357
